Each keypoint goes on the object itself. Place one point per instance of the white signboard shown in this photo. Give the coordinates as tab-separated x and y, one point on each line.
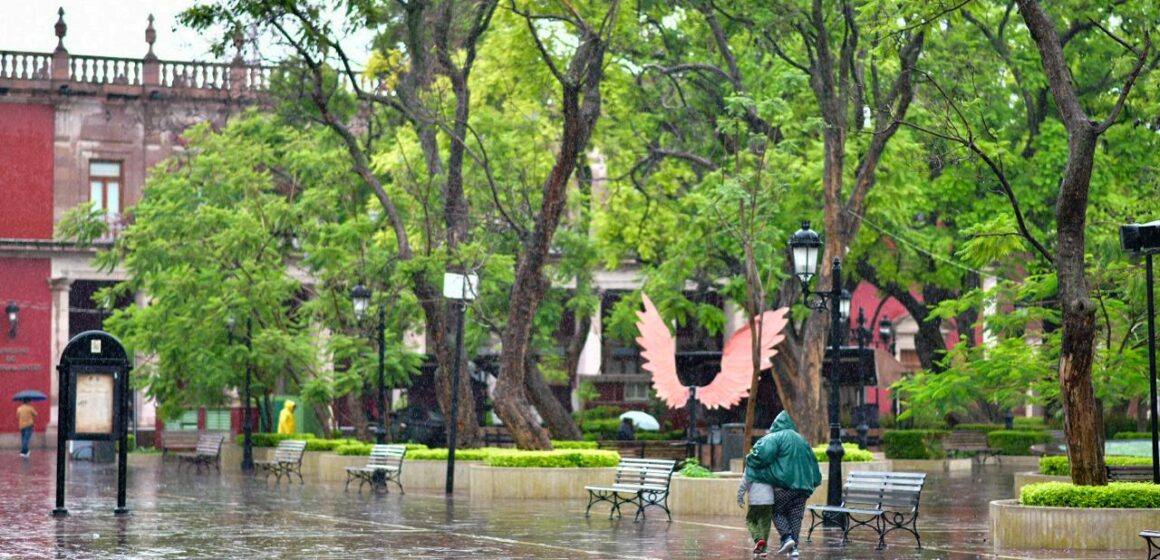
94	412
460	286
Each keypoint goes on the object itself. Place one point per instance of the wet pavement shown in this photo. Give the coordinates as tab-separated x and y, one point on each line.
187	515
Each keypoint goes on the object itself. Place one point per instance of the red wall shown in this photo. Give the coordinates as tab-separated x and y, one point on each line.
25	361
26	158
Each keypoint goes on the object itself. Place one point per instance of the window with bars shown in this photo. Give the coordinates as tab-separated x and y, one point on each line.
636	391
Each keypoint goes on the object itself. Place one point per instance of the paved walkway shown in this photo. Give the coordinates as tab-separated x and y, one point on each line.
231	516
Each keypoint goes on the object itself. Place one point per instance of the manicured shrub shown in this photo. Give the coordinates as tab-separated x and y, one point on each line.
266	439
603	412
1114	495
354	449
693	469
328	444
852	454
562	444
1132	435
1059	466
1116	423
984	428
1016	442
674	435
1033	423
568	458
440	454
913	444
604	428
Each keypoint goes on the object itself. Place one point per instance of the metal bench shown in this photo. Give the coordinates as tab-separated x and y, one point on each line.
287	461
1129	473
971	442
207	453
1153	548
641	482
385	465
883	501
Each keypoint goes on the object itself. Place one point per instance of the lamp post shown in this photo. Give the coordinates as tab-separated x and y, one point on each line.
863	336
804	246
1145	238
360	295
247	422
459	288
885	332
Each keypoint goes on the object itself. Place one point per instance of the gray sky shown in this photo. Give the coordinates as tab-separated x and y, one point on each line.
112	28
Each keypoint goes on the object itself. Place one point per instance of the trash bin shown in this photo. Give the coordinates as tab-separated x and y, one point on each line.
733	444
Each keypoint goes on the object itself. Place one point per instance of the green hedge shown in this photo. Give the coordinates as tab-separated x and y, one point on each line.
913	444
356	448
1029	423
1132	435
984	428
328	444
561	444
567	458
1116	423
660	436
264	439
603	428
1059	466
1016	442
852	454
440	454
1114	495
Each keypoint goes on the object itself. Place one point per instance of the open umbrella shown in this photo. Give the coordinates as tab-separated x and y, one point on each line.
29	395
642	420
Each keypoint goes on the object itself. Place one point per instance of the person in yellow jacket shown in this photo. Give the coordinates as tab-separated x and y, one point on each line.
286	419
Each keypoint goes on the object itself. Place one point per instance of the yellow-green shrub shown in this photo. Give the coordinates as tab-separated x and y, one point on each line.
567	458
1114	495
851	455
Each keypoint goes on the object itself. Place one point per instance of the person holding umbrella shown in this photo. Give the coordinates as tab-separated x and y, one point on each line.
26	417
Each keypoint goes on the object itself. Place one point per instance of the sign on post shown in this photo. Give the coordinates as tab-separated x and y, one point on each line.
94	404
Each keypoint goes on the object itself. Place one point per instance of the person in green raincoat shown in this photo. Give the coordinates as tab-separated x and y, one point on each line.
784	460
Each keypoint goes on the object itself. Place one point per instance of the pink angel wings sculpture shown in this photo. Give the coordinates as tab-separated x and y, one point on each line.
659	350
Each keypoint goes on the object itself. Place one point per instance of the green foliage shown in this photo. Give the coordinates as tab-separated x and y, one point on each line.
851	454
693	469
1015	442
1132	435
602	412
913	444
560	444
1032	423
1114	495
1059	465
984	428
440	454
265	439
600	429
1116	423
355	449
569	458
328	444
672	435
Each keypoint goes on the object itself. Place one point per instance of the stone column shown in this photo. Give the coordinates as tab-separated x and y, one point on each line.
60	328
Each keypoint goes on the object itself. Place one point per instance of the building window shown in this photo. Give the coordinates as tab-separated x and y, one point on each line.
636	391
105	187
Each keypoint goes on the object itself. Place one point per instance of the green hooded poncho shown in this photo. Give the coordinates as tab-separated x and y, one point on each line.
783	458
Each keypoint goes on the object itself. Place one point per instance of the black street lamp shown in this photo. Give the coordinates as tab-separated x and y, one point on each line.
885	332
459	288
804	246
247	422
863	336
360	295
1145	238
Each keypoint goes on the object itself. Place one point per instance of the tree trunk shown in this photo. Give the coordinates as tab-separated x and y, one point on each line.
580	103
1083	423
560	423
358	416
441	334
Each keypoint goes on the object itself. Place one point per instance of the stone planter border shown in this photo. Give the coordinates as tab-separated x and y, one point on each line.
1024	478
1015	526
536	484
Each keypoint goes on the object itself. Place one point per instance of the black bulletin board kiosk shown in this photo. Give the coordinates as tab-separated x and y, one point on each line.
94	404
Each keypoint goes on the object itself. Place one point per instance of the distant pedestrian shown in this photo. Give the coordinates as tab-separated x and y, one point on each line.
760	513
26	417
626	432
286	422
784	460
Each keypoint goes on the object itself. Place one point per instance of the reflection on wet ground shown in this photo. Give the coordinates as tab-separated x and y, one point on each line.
187	515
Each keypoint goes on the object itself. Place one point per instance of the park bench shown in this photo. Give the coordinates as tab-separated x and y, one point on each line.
648	449
1153	548
207	453
178	440
640	482
287	461
883	501
1129	473
385	465
970	442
